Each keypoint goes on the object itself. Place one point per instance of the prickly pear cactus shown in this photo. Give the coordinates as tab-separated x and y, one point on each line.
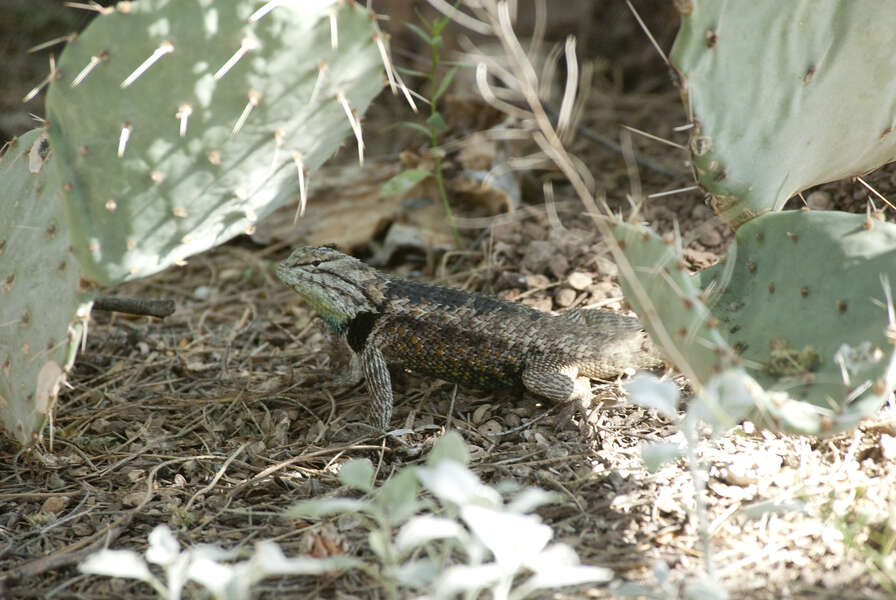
806	305
802	299
785	95
672	301
41	310
177	124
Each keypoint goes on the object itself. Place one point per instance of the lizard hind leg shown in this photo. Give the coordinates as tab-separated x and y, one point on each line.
560	383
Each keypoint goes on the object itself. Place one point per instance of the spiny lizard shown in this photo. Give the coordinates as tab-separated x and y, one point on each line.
459	336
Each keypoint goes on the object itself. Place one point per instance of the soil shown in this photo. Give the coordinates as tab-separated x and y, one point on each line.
221	416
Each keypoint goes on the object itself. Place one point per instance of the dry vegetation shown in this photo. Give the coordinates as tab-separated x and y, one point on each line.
216	419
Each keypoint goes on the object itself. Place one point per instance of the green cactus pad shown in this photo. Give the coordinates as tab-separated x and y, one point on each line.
801	301
805	308
162	159
673	301
785	95
41	310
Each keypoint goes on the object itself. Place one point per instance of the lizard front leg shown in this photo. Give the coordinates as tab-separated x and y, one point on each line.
379	385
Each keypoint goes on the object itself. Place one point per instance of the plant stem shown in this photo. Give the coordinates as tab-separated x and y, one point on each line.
434	143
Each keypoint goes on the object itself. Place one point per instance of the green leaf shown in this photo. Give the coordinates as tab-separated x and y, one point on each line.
270	560
380	544
407	71
403	182
450	446
116	563
417	574
424	529
436	124
398	496
416	127
648	391
321	507
439	24
357	473
656	455
423	35
443	85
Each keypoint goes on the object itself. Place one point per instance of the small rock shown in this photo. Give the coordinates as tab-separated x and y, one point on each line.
605	289
710	237
701	212
578	280
54	504
820	200
607	267
490	427
537	281
564	297
537	257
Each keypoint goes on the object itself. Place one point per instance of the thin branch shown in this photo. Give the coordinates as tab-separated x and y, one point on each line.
135	306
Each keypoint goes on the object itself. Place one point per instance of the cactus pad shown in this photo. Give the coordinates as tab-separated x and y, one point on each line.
785	95
674	301
801	301
805	307
177	124
41	310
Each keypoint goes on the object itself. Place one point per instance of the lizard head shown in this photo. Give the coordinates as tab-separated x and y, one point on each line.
336	285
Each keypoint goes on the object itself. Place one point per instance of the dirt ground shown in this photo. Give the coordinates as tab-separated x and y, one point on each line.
242	374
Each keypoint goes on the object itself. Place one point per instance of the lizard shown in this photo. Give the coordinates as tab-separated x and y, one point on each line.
459	336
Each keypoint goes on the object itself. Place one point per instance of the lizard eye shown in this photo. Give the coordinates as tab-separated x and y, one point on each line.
316	263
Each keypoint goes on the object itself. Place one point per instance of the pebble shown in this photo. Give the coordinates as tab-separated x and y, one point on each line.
537	281
606	266
578	280
710	237
537	256
490	427
701	212
564	297
820	200
54	504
